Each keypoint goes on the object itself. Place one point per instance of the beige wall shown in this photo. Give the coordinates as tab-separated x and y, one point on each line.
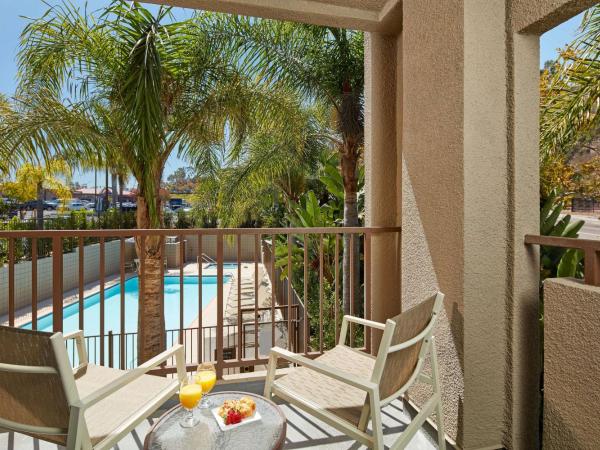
432	183
537	17
571	362
358	14
381	153
209	248
91	273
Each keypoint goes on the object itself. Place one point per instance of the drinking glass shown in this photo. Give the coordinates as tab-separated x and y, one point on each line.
190	394
206	376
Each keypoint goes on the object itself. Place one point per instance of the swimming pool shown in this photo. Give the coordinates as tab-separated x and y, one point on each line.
226	266
112	307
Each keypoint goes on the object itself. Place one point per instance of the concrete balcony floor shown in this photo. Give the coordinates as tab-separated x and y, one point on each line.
303	430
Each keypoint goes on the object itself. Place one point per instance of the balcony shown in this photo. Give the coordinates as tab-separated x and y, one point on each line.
228	299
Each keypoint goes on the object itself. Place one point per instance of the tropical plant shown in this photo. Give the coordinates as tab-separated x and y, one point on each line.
559	262
313	212
321	63
273	165
570	91
32	180
162	85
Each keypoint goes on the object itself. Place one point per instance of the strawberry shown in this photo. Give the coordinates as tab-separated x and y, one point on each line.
233	417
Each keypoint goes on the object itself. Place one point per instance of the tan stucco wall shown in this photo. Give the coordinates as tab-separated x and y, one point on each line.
380	172
537	17
571	362
356	14
523	264
470	193
209	247
432	183
486	221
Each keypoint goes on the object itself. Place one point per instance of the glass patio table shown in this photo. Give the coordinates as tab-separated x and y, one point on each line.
265	434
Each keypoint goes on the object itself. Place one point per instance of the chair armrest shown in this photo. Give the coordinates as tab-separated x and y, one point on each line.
81	351
335	373
358	320
368	323
131	375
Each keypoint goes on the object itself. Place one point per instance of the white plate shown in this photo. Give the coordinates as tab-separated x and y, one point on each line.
215	412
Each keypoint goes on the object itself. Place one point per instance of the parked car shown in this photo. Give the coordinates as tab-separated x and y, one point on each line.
176	203
128	206
50	205
72	205
29	205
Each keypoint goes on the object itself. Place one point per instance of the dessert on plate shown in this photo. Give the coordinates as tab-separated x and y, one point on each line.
234	411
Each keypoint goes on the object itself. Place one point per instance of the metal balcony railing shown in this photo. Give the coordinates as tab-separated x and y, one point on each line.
301	268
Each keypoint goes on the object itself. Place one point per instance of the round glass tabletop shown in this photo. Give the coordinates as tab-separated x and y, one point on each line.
265	434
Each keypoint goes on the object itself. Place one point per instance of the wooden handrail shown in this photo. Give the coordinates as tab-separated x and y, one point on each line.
292	238
590	248
132	232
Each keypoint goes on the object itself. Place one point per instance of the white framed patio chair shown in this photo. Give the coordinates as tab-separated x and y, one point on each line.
346	387
86	407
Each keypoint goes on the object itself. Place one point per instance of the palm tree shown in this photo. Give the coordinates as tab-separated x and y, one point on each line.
161	84
320	63
570	92
272	163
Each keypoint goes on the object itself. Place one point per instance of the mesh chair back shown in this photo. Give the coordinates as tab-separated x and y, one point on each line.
400	365
36	399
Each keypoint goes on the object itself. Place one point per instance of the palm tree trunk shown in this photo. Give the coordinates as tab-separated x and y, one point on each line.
121	189
115	192
151	317
40	206
105	205
350	177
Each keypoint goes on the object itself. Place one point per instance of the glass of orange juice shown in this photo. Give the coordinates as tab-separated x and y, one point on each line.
206	376
190	394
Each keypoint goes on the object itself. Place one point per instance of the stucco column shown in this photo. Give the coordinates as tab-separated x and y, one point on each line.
523	303
461	227
382	192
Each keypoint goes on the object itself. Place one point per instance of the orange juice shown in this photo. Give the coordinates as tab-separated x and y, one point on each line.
190	395
206	379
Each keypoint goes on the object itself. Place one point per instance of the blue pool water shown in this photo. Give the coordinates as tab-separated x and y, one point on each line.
112	307
226	266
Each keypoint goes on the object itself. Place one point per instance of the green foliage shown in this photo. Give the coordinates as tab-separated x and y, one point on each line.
570	94
76	220
559	262
313	212
140	86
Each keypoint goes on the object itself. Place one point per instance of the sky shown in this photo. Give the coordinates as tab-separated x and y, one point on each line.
12	23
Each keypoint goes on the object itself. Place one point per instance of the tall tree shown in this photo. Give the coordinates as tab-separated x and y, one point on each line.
321	63
570	92
162	84
271	164
32	180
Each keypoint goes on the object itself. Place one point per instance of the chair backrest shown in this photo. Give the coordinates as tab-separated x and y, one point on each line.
399	366
31	397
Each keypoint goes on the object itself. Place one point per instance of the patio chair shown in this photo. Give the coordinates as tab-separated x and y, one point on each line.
345	387
88	407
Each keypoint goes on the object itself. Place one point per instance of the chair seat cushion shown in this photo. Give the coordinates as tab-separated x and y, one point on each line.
118	408
332	395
